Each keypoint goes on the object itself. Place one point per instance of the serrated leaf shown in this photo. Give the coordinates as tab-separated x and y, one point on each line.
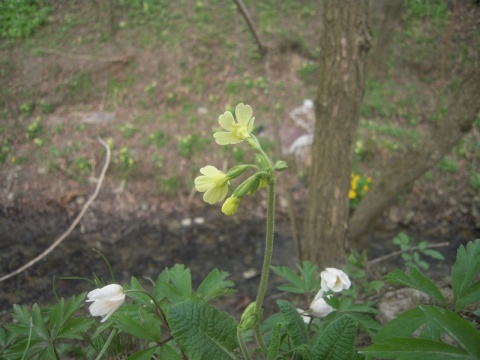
304	352
470	296
214	285
460	330
464	270
417	280
202	331
295	325
337	342
415	349
39	328
403	325
182	280
274	349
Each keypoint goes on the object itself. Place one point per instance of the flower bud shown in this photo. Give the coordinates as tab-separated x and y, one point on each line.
248	319
236	171
249	186
230	206
280	165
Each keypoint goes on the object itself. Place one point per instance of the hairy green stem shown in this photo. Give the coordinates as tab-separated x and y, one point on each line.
266	264
243	347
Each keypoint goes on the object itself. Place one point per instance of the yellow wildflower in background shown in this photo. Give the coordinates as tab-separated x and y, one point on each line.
214	183
238	131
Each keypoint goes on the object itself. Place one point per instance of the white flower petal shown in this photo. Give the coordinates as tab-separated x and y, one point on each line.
110	292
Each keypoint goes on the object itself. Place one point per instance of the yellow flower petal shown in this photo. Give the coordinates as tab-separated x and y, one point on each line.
226	138
226	121
243	113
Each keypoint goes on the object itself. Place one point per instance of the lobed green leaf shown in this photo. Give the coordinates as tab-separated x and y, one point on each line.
202	331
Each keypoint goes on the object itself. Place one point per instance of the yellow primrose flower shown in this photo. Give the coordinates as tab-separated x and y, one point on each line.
230	206
352	194
214	183
235	132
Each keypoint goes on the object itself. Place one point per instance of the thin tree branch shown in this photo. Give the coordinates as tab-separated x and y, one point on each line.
399	252
74	223
243	10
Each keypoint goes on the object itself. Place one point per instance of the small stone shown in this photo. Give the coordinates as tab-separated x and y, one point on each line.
250	274
199	220
186	222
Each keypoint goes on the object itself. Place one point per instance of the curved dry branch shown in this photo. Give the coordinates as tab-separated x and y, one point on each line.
74	223
243	10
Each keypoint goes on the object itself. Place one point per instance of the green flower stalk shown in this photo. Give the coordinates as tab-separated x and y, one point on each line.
214	183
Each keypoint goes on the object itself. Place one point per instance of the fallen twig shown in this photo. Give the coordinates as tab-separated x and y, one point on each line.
74	223
399	252
122	59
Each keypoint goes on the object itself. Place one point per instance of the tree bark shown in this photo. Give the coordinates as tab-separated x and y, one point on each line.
461	114
344	42
377	59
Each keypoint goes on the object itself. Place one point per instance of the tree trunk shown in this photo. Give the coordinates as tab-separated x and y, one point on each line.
344	42
461	114
377	59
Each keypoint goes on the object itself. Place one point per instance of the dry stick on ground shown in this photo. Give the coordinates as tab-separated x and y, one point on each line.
243	10
74	223
399	252
122	59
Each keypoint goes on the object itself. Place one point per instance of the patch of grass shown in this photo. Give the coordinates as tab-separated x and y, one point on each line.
448	165
309	73
128	130
80	86
191	144
169	184
157	138
22	18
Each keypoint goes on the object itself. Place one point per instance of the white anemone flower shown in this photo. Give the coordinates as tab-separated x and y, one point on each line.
105	301
319	306
306	319
335	280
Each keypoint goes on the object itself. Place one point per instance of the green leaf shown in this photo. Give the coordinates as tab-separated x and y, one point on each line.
39	328
140	323
403	325
137	296
460	330
417	280
182	280
470	296
215	285
464	270
73	328
309	273
434	254
145	354
274	349
415	349
369	325
295	325
337	342
297	285
203	331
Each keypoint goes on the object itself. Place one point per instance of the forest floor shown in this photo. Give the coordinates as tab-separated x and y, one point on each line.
154	91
